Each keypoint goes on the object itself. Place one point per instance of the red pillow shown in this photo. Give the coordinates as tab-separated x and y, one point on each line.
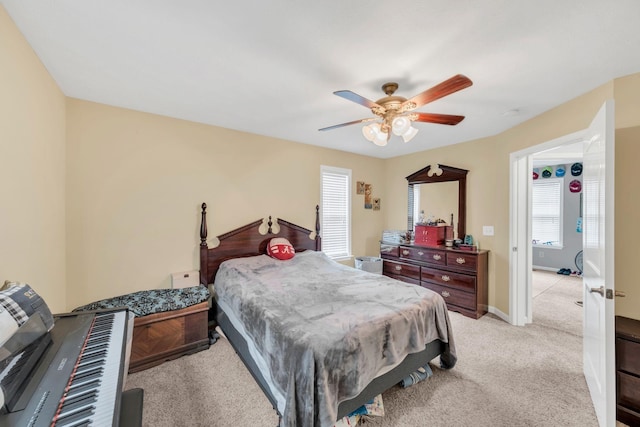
280	248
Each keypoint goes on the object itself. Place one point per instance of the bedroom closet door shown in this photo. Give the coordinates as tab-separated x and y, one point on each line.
598	274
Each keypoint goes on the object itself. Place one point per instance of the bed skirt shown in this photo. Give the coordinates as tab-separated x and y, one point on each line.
380	384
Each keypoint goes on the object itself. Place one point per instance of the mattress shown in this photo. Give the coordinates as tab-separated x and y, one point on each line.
320	332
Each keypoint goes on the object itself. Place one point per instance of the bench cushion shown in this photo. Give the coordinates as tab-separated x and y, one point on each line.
142	303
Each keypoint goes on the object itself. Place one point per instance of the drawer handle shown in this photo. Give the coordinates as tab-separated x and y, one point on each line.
420	253
445	278
398	268
445	294
437	257
405	252
461	260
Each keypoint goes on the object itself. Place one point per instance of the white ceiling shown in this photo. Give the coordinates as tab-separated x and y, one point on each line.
271	67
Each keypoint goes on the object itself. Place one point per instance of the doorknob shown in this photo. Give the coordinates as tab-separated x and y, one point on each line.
610	294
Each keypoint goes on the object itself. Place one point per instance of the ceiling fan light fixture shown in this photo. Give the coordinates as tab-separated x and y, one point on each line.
401	125
374	133
368	131
409	134
380	138
396	112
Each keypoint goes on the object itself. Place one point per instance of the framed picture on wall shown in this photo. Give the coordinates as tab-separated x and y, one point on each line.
360	187
376	204
367	196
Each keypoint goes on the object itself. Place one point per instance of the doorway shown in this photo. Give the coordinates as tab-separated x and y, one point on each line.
599	239
561	151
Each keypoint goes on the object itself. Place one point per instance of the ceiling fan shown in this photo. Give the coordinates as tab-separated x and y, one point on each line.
397	113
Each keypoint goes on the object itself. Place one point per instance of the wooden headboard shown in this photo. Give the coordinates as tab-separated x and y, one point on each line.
248	241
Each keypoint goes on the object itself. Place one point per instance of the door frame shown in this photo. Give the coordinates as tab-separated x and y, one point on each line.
520	254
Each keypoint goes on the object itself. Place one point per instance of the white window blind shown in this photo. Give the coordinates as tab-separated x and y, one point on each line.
335	218
546	212
416	204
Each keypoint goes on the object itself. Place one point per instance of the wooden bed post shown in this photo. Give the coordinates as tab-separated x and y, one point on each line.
203	245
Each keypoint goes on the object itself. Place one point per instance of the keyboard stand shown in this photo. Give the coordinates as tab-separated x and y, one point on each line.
131	408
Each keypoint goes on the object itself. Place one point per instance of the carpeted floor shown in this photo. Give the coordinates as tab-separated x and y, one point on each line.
505	376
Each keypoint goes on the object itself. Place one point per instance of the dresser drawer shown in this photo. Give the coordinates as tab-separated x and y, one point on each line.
464	261
391	250
432	256
628	356
404	279
454	296
628	390
401	269
447	278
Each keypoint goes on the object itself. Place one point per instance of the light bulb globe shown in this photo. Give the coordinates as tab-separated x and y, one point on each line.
409	134
400	125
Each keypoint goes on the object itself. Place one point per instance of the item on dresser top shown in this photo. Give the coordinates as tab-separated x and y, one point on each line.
465	247
431	235
393	236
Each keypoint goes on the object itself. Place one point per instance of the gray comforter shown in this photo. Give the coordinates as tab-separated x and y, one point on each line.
326	330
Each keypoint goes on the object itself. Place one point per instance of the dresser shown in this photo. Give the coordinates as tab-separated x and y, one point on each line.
459	276
628	370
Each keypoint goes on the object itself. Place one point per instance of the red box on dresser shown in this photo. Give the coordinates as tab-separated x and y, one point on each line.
432	235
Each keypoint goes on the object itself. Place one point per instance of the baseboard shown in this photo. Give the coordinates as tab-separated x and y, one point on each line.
539	267
499	313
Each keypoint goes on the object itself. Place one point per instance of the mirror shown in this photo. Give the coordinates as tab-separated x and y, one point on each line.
440	200
437	201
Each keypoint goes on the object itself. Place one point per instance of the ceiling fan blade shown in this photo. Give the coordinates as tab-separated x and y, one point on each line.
442	119
352	96
349	123
447	87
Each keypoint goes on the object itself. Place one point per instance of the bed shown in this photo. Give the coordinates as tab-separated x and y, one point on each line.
287	329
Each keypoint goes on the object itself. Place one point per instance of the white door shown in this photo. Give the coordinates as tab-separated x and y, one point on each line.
598	269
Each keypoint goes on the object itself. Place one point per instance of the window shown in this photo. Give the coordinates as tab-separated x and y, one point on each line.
546	212
414	205
335	212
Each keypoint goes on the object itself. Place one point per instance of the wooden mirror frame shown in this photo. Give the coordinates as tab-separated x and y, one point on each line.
449	173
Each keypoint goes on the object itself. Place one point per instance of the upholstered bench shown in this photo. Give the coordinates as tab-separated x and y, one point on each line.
169	323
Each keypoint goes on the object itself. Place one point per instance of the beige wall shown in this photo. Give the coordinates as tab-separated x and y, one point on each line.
129	214
488	182
135	183
627	230
32	174
627	194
